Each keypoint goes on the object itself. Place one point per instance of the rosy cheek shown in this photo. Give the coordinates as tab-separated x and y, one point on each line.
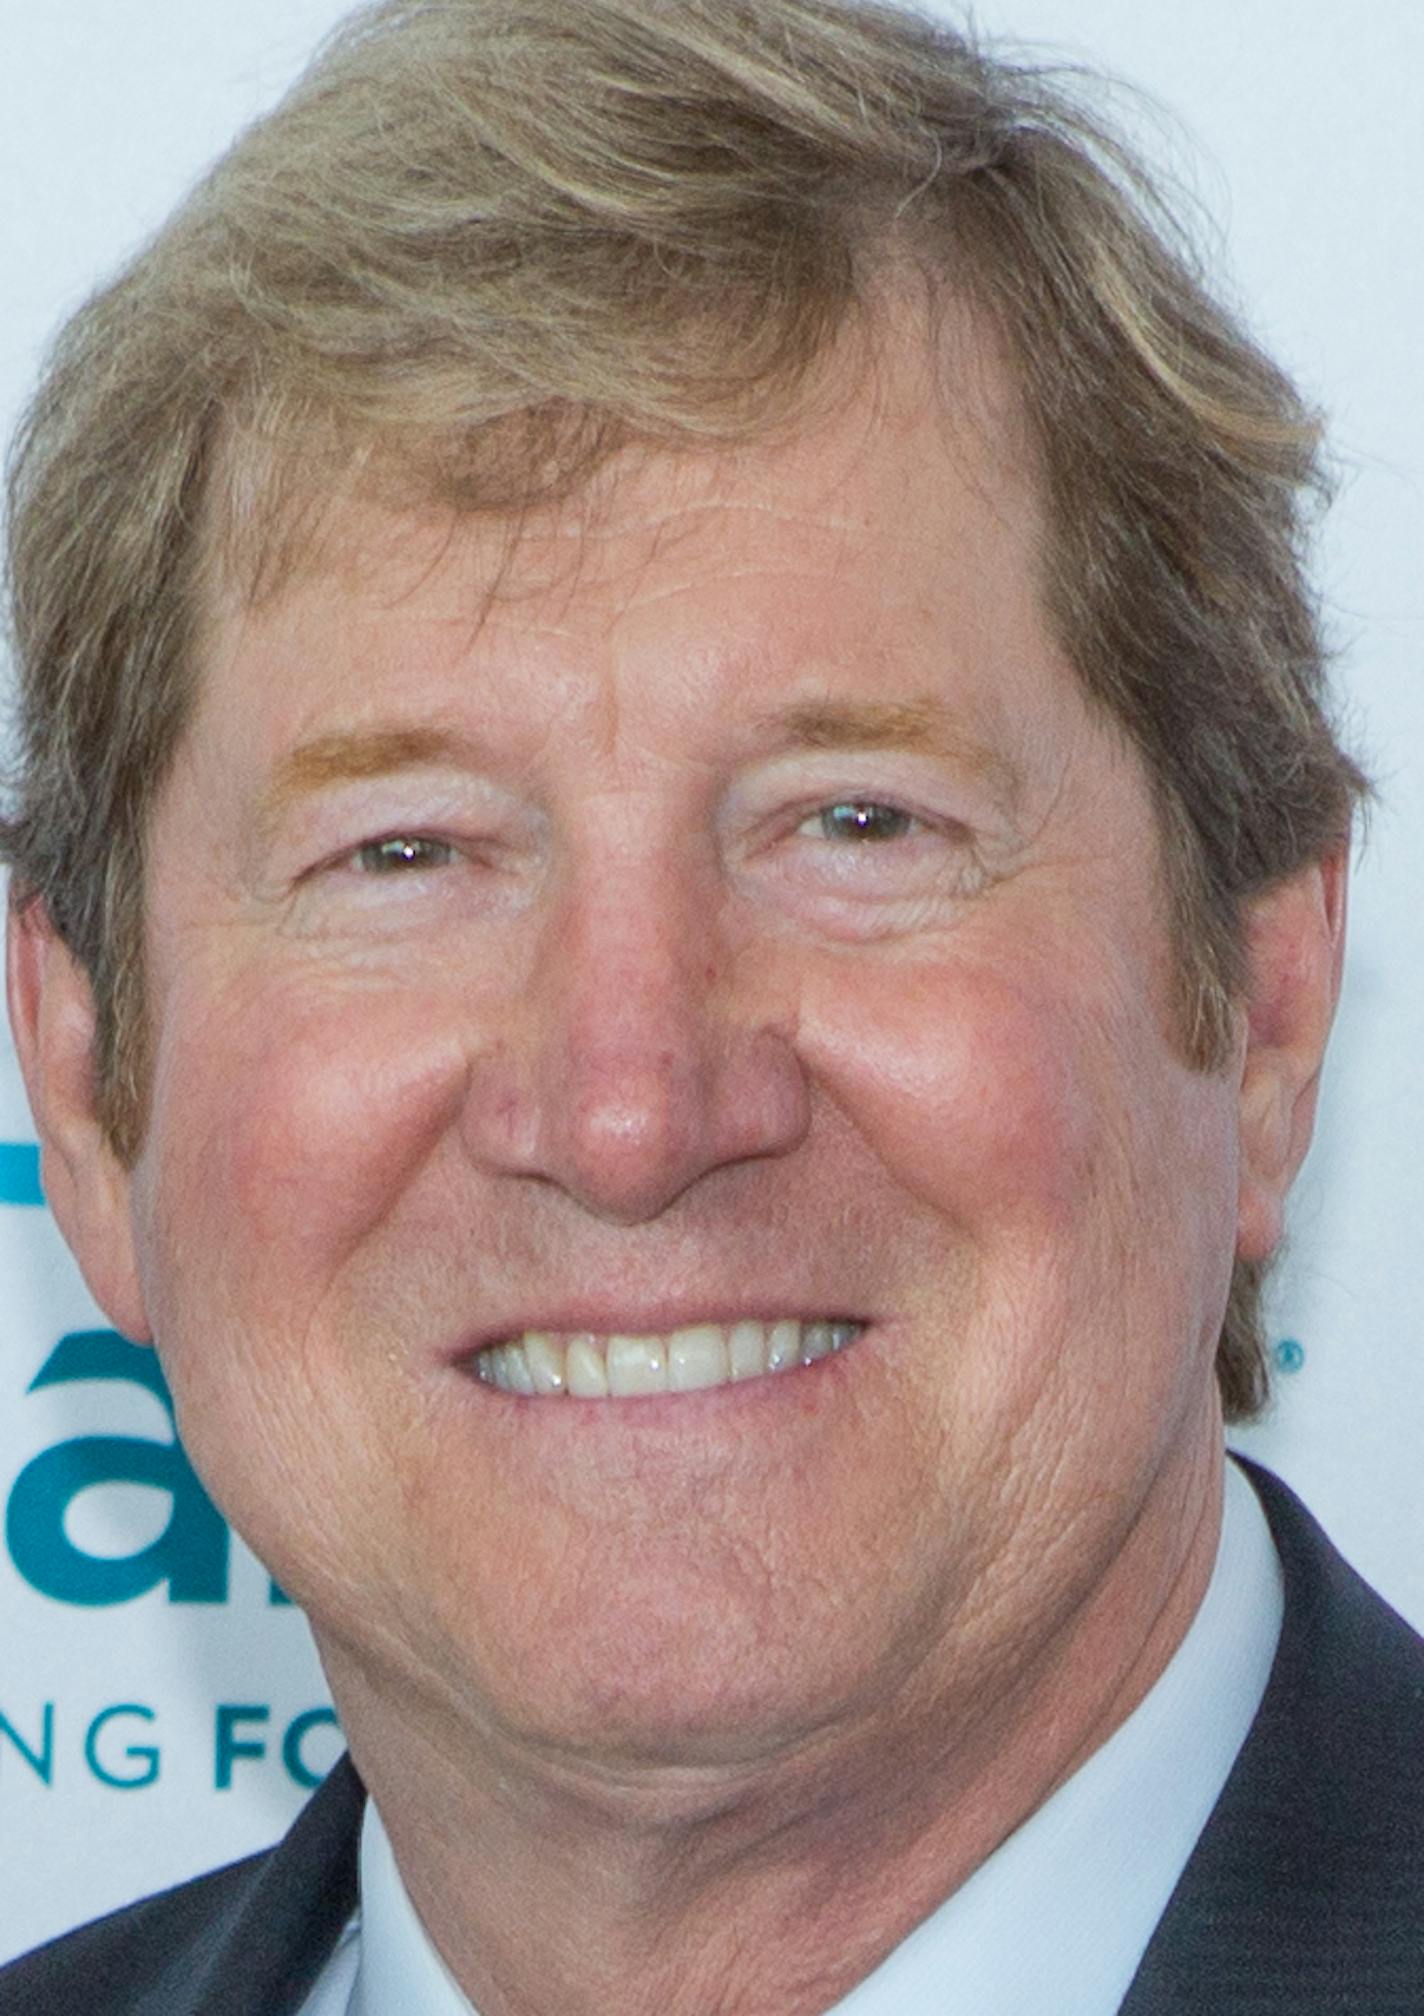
328	1102
978	1094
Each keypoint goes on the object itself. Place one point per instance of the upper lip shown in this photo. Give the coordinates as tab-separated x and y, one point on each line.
610	1319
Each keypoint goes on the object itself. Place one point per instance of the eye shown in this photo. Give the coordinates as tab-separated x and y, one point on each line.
402	853
859	819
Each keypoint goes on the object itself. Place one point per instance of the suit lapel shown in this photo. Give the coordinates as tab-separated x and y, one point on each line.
261	1954
1305	1893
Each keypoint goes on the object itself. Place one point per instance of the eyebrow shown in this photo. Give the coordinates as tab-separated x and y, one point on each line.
347	757
923	725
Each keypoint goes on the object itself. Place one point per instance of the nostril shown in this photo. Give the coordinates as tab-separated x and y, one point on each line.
624	1089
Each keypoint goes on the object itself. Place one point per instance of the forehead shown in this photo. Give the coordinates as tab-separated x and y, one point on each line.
900	413
902	490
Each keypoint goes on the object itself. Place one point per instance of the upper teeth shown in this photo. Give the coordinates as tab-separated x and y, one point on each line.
587	1366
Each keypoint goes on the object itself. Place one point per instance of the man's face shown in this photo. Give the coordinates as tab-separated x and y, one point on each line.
720	908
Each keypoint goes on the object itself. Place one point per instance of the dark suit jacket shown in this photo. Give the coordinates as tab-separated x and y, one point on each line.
1303	1897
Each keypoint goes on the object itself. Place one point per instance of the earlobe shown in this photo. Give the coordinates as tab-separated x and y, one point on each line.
1295	940
87	1187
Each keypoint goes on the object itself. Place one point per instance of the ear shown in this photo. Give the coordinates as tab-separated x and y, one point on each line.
86	1186
1295	944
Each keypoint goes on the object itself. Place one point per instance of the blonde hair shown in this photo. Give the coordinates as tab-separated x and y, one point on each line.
483	243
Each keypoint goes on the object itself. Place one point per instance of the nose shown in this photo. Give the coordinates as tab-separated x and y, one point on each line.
646	1056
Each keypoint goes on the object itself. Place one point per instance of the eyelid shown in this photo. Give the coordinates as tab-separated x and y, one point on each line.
476	824
923	786
790	816
414	800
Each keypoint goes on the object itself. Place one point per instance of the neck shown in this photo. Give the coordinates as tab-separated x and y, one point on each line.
580	1884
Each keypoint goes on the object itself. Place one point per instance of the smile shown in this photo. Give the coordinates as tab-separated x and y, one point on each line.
582	1365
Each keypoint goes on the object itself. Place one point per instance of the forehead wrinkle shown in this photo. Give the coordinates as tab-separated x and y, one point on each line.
652	502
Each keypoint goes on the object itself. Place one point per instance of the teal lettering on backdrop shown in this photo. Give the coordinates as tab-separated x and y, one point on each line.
20	1174
228	1746
144	1754
114	1756
190	1555
40	1761
297	1730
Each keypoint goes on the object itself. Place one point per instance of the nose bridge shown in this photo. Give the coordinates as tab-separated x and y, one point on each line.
630	999
628	1059
649	1064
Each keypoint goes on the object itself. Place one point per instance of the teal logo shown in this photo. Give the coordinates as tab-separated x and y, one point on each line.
190	1557
121	1747
20	1173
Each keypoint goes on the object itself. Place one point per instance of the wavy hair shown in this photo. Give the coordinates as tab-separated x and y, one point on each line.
484	243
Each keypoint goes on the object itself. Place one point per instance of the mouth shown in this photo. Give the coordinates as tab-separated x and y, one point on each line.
589	1365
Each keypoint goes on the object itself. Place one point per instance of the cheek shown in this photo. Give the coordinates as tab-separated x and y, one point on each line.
976	1092
1052	1141
270	1183
277	1167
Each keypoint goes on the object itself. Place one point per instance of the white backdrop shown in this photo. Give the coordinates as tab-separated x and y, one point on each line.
158	1712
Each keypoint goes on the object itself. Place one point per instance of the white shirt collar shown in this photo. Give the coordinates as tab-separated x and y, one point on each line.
1059	1916
399	1966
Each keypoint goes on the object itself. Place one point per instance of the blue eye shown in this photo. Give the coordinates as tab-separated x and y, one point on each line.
863	819
402	852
